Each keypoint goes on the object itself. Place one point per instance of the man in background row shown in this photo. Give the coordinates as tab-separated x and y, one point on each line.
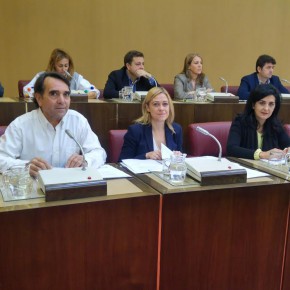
264	75
131	74
38	138
1	90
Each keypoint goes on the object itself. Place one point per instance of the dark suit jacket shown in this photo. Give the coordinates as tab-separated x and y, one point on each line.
118	79
139	140
243	140
249	83
1	90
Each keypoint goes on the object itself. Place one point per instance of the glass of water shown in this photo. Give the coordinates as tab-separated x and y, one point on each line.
201	94
128	94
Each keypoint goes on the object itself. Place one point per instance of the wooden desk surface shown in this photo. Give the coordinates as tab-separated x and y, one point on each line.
102	243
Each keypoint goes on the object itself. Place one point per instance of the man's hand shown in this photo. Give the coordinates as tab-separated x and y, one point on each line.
37	164
75	160
143	73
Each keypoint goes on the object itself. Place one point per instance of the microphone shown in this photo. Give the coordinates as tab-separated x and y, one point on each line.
285	81
69	133
71	77
224	80
205	132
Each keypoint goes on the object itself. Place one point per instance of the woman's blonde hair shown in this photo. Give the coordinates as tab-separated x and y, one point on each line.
146	116
57	55
187	62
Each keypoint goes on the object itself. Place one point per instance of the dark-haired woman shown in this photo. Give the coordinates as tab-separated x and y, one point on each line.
258	131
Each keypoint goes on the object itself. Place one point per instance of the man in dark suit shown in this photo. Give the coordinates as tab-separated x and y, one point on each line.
264	75
1	90
131	74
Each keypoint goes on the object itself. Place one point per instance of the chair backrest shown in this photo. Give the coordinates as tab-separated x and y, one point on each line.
2	130
21	85
116	140
287	128
231	89
169	88
203	145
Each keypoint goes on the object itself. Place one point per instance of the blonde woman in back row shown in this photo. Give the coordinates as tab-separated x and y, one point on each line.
62	63
191	78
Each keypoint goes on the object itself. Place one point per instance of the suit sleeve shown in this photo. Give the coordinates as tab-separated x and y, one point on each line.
179	137
1	90
244	89
234	148
179	92
131	144
280	87
111	90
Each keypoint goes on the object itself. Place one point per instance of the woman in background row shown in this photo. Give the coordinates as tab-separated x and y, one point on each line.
191	78
62	63
257	132
1	90
143	140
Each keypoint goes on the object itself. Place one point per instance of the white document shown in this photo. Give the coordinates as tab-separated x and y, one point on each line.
165	152
142	165
109	171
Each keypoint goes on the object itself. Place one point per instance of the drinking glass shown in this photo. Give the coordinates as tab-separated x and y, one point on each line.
17	181
128	94
201	94
276	158
177	168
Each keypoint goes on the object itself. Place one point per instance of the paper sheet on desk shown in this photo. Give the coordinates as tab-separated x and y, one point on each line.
142	165
165	152
108	171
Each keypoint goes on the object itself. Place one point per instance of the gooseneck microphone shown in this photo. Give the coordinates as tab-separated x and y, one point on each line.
285	81
224	80
69	133
205	132
71	77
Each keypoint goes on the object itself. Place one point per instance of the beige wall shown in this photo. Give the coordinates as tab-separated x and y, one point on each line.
230	35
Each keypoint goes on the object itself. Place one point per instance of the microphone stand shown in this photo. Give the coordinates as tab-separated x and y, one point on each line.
205	132
69	133
224	80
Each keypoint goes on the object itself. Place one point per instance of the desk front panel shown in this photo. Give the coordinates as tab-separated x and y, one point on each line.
231	238
106	244
286	273
10	109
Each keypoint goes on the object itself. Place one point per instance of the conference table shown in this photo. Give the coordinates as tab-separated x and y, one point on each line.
149	234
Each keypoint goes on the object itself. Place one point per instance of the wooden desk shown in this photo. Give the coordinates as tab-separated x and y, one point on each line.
223	237
112	114
10	109
97	243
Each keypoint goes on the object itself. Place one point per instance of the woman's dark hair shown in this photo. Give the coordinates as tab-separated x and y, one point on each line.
260	92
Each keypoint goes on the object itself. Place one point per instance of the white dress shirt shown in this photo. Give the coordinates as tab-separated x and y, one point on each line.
31	135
